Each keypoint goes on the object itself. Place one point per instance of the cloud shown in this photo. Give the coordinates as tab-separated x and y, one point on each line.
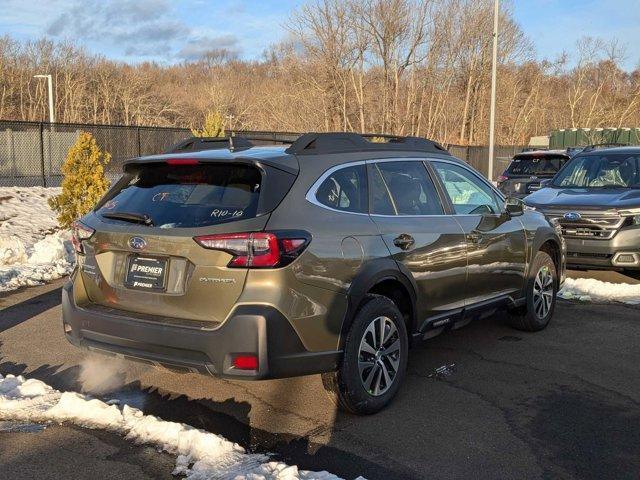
196	48
139	28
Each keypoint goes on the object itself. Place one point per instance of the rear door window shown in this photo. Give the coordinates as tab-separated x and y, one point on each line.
403	188
345	189
186	196
535	166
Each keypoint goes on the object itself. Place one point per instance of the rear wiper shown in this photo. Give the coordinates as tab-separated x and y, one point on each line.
130	217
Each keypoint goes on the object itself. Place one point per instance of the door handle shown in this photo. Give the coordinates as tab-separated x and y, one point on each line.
474	236
404	241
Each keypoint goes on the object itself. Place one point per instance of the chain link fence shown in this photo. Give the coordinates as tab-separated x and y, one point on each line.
32	153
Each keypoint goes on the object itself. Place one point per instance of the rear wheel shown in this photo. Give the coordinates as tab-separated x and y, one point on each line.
541	290
375	359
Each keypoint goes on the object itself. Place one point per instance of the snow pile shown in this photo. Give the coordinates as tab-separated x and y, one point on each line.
200	454
32	249
590	289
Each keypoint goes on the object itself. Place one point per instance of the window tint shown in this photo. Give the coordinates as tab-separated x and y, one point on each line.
468	193
403	188
345	189
380	199
186	195
601	171
546	165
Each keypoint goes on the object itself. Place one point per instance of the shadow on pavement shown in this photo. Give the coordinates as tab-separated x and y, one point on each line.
228	418
23	311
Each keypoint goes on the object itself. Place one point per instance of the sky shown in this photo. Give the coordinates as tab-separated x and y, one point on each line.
173	31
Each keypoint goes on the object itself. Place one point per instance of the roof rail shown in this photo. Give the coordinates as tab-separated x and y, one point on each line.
596	146
196	144
342	142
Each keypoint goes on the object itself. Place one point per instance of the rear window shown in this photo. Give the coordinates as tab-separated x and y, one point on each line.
173	196
535	166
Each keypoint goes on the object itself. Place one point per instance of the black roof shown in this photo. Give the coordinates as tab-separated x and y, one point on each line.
541	154
627	149
241	149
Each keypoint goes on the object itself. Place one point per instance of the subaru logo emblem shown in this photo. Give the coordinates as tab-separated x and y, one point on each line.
137	243
572	216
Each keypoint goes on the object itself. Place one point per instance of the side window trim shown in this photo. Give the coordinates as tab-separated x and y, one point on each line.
313	190
422	160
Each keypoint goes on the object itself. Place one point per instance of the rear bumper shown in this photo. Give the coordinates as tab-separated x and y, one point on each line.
605	254
520	187
509	191
252	329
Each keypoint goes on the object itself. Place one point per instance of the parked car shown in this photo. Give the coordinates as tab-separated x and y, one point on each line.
596	200
528	169
330	256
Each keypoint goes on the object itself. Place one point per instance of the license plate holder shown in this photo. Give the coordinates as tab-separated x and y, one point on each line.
146	273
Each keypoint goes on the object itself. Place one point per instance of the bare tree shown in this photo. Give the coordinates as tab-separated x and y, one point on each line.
419	67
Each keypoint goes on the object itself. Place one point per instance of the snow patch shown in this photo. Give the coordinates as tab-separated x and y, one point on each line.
590	289
32	248
200	454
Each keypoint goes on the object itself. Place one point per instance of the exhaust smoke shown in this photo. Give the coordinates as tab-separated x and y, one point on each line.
101	374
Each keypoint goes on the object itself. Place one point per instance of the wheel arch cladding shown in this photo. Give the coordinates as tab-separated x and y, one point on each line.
553	249
382	277
546	241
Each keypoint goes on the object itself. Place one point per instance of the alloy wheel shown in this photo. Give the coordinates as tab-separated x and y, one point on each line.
379	356
543	292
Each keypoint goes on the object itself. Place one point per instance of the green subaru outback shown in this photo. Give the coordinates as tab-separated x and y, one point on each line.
331	255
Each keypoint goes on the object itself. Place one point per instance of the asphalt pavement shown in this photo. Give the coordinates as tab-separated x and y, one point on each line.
484	401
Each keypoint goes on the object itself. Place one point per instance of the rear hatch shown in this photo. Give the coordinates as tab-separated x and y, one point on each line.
143	257
524	173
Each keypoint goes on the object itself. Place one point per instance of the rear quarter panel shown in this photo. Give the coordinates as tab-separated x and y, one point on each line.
313	291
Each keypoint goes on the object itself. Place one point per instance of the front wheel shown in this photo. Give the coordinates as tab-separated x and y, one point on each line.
375	359
541	290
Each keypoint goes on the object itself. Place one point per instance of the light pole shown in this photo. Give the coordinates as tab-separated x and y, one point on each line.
492	116
52	115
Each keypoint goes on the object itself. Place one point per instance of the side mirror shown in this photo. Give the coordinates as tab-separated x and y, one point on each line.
545	183
514	206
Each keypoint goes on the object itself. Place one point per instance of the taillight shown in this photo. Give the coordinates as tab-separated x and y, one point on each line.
257	249
502	178
80	232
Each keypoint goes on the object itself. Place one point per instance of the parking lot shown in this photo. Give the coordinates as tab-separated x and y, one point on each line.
485	401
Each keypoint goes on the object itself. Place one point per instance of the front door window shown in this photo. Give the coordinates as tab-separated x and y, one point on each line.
468	194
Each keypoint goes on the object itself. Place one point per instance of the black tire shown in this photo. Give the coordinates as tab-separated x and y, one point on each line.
346	385
533	316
